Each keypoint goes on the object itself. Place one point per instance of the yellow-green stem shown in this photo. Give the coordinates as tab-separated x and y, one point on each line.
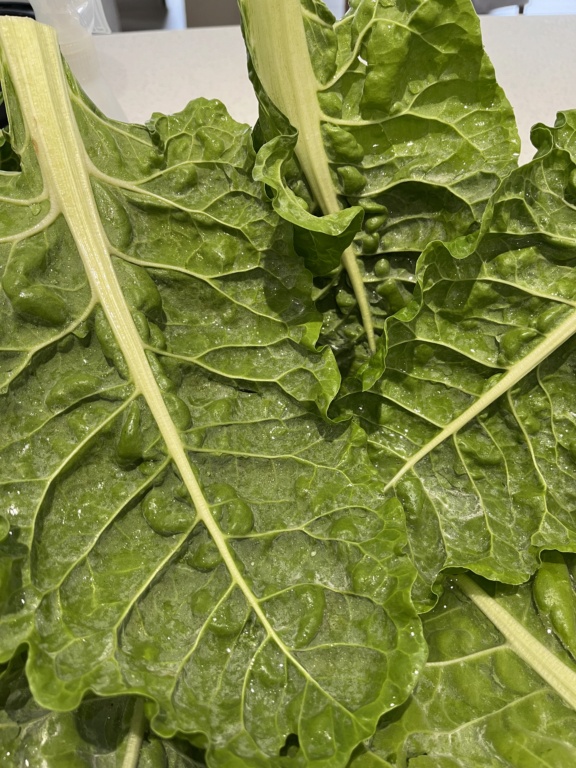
135	736
277	41
559	677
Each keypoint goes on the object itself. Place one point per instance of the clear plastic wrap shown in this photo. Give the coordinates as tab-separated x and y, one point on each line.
75	22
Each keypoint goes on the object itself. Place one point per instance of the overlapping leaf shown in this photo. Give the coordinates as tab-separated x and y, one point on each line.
477	703
179	519
96	735
472	422
398	112
406	96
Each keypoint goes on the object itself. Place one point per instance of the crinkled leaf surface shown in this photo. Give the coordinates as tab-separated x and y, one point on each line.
404	95
397	111
472	422
478	705
183	523
93	736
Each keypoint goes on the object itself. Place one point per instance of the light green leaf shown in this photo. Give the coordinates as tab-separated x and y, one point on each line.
184	523
397	112
478	703
471	423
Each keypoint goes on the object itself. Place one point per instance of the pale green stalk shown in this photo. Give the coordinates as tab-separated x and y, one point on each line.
551	669
277	42
135	736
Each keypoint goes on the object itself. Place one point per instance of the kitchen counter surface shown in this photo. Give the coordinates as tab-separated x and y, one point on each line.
161	71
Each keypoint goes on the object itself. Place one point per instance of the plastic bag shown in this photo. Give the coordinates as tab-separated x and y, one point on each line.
88	13
75	21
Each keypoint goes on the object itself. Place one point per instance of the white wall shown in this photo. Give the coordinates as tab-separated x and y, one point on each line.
336	6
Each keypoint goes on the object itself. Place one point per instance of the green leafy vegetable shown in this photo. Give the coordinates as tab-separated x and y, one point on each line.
398	114
96	735
478	703
224	500
183	523
470	423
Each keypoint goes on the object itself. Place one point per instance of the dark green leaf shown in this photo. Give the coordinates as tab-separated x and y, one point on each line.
471	422
93	736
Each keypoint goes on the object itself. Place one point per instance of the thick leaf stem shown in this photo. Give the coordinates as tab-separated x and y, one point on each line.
277	41
558	676
135	736
350	263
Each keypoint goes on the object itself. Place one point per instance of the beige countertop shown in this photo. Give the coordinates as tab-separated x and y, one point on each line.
533	57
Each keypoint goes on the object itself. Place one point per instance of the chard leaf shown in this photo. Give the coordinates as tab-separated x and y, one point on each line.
555	598
397	113
478	703
180	521
471	423
96	735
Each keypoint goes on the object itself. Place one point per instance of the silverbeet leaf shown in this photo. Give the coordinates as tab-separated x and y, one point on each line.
471	423
478	702
96	735
393	112
179	519
403	100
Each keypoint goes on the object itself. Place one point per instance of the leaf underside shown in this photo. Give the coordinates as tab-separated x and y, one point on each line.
94	736
477	703
471	423
194	508
183	521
